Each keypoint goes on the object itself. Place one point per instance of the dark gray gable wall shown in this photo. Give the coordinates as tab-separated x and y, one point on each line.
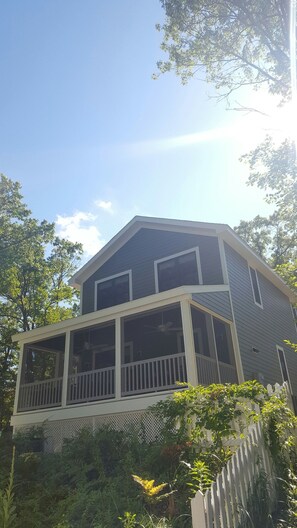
261	328
218	302
139	254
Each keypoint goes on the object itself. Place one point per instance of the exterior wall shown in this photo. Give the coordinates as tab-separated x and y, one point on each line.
139	254
218	302
262	328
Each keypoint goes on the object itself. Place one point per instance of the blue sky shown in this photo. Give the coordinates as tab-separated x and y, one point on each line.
94	140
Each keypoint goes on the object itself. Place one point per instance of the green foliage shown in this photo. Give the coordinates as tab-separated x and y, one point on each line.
233	43
273	168
201	477
128	520
7	505
34	267
89	484
188	415
257	514
291	489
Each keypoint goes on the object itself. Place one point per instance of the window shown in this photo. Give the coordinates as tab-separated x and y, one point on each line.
255	287
113	290
178	270
222	341
283	365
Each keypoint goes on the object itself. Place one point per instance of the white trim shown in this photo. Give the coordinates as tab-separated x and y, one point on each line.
207	310
111	277
88	409
181	226
233	328
81	293
66	369
294	317
278	348
223	260
252	285
108	314
118	357
176	255
253	260
18	381
189	343
130	229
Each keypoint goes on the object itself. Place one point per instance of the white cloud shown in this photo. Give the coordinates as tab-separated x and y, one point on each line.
78	228
106	206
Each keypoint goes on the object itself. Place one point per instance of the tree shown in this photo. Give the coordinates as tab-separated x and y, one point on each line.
273	168
231	42
34	267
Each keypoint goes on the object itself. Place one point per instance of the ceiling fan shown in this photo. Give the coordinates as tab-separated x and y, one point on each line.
163	327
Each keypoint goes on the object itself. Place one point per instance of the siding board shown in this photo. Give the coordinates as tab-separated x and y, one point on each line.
261	328
139	254
218	302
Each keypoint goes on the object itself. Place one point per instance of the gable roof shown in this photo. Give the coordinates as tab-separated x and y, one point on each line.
223	231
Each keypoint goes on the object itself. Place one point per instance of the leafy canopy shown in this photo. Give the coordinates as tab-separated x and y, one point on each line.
230	42
34	267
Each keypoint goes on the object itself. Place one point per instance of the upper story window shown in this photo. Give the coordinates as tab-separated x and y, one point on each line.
113	290
255	287
283	365
178	270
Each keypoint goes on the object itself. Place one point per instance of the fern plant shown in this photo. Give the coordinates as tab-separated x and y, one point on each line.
150	491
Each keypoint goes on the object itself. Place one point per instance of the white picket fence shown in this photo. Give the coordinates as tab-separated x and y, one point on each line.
224	504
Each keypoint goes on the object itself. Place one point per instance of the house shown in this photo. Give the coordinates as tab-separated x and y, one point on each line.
163	301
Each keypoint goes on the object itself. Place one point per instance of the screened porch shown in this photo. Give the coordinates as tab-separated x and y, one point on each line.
128	356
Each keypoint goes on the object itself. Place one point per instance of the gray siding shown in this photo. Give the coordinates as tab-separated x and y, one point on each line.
139	254
218	302
261	328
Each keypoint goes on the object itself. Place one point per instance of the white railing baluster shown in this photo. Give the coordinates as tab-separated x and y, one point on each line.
40	394
153	374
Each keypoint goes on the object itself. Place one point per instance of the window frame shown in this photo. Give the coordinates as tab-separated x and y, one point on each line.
176	255
258	285
288	381
111	277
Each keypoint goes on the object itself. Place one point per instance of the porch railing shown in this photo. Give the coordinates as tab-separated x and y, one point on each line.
40	394
208	371
138	377
152	375
228	373
92	385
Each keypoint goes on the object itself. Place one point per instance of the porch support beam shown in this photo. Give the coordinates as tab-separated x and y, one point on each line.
189	342
66	369
19	376
118	354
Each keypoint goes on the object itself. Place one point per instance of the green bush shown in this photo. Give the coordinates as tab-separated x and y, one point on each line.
89	483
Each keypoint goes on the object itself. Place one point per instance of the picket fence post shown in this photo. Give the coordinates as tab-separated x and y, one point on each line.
198	511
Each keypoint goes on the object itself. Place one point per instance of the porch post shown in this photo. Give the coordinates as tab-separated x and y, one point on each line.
118	358
66	369
189	342
19	377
